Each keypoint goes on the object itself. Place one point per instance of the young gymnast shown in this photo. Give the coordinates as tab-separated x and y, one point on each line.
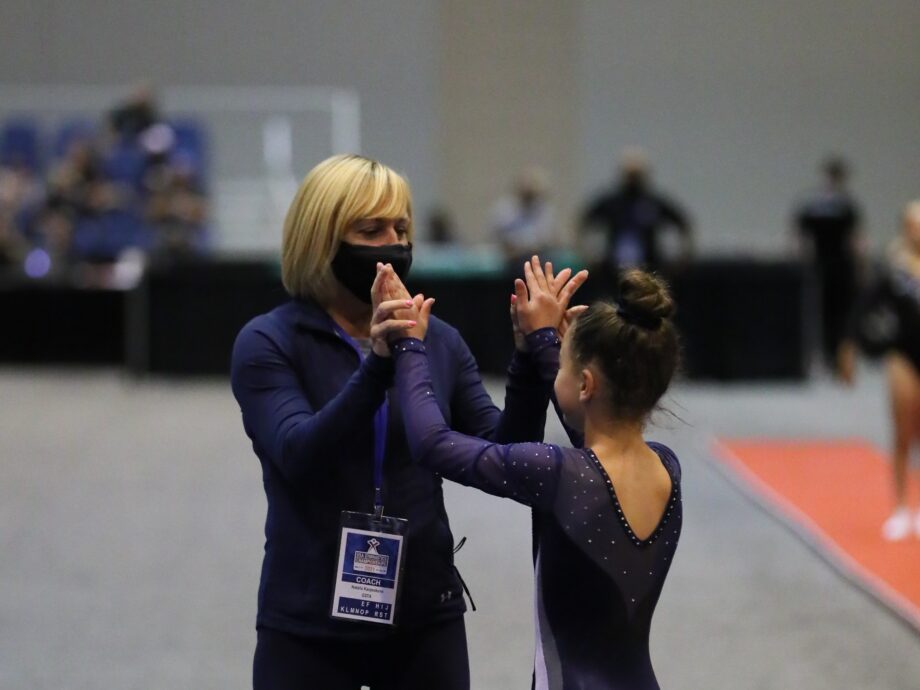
888	320
608	514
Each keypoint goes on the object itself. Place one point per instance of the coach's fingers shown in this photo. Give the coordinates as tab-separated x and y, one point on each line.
385	309
391	327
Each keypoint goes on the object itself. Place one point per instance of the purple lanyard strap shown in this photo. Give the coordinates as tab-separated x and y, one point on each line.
381	421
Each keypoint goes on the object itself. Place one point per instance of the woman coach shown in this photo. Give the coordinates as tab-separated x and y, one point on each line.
312	377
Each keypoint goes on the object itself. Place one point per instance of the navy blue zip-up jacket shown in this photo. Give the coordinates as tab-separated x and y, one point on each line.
308	404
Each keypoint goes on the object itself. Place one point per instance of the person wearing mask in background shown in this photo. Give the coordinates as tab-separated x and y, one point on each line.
633	216
18	191
441	228
136	114
524	221
607	512
313	380
887	321
828	225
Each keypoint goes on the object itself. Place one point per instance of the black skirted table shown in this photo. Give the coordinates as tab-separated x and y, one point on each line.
739	319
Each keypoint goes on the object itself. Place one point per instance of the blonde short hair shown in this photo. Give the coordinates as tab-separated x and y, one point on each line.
911	212
336	193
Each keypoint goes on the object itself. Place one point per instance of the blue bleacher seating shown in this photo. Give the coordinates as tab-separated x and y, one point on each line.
103	237
20	144
125	164
69	132
191	144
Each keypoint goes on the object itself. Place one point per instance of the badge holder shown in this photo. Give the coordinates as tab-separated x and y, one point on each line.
371	552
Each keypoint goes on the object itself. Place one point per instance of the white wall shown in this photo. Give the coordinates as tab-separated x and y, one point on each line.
737	101
508	100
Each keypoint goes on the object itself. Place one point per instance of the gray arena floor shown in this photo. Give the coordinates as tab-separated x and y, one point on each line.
130	539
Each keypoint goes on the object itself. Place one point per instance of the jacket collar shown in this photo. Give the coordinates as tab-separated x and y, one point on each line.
310	316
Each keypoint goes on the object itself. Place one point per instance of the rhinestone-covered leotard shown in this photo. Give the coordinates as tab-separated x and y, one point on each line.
597	582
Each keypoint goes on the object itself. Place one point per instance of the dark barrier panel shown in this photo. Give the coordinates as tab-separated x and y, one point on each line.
49	323
184	318
479	309
745	319
739	320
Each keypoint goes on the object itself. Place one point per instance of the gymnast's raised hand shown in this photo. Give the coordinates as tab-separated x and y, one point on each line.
541	300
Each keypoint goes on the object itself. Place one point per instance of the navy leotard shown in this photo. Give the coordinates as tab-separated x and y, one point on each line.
597	583
888	317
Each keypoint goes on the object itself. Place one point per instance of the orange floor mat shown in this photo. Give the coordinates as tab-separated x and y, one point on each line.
836	494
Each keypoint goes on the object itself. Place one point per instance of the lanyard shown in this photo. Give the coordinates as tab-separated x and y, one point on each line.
381	420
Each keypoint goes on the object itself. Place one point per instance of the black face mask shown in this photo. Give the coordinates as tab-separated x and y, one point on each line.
355	265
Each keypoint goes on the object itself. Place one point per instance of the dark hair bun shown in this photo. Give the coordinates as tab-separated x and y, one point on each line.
633	342
646	296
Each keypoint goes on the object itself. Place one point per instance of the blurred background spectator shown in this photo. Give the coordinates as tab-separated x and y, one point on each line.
633	215
828	223
138	113
19	189
524	220
441	229
176	208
